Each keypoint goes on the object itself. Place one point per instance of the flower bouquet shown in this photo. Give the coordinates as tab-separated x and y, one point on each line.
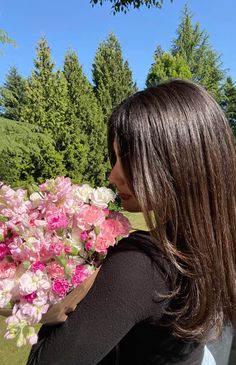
51	240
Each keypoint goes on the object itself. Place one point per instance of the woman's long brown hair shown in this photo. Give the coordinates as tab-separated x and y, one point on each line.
178	154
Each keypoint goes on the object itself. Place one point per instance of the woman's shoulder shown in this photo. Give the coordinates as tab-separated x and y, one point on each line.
140	247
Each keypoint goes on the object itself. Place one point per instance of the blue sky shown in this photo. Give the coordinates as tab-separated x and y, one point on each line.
77	25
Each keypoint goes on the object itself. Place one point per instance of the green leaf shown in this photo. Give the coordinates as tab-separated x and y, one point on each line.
26	264
3	219
74	251
97	230
62	260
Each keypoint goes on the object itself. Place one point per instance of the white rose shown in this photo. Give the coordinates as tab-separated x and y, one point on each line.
100	197
83	193
36	199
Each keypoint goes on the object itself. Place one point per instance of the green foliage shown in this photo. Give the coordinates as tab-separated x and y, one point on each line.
46	96
86	129
112	76
192	44
5	39
124	5
228	102
12	95
166	67
26	156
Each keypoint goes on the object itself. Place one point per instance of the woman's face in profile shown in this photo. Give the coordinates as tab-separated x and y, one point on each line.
118	179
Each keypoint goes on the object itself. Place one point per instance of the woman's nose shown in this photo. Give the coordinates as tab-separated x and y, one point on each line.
115	178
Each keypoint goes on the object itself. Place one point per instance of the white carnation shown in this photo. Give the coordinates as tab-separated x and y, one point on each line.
100	197
83	193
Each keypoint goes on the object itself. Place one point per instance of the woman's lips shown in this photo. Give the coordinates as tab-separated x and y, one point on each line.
124	196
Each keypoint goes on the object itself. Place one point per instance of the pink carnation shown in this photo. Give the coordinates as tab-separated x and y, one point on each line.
106	211
67	249
7	269
55	270
120	224
4	250
89	216
83	235
103	242
80	275
30	297
89	245
57	221
56	249
60	286
38	265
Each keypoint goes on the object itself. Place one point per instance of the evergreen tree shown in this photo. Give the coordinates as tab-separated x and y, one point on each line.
112	76
166	66
86	160
192	44
228	102
12	95
46	96
26	156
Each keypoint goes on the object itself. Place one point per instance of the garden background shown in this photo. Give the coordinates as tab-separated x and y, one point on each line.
53	111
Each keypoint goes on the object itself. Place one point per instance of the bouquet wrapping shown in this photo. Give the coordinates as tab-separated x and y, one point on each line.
51	240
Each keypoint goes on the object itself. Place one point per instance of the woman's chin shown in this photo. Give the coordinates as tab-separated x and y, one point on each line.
131	207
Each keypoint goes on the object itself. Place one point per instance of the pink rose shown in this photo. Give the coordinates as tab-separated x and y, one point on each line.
60	286
57	221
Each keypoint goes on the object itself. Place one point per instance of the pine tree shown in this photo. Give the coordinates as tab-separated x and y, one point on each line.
86	146
166	66
46	96
12	95
204	62
228	102
112	76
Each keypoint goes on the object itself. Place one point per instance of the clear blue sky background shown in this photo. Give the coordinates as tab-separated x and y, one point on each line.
76	24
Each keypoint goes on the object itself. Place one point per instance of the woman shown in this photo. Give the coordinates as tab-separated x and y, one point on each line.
160	295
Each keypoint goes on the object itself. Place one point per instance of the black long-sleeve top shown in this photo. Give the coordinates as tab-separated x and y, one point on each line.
120	319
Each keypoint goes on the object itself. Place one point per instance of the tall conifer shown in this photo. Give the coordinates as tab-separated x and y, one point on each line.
112	76
204	62
46	95
12	95
166	66
86	156
228	102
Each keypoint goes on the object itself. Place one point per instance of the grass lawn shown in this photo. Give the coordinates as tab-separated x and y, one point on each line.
136	220
9	353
